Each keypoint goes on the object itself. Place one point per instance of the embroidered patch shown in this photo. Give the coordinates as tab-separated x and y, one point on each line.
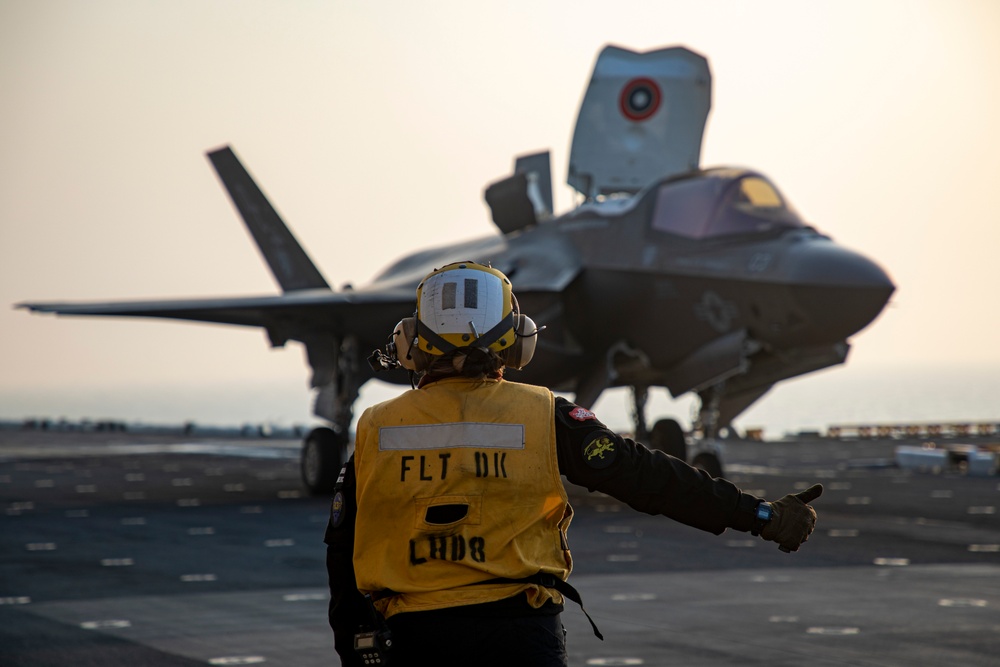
337	510
582	414
600	452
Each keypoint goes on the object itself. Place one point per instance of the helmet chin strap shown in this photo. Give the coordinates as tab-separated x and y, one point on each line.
486	340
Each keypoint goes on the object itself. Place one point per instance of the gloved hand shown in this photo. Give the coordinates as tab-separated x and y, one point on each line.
793	519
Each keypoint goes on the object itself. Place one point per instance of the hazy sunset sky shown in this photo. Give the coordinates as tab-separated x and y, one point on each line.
374	126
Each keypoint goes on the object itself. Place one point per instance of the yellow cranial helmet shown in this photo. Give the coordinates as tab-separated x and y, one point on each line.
465	304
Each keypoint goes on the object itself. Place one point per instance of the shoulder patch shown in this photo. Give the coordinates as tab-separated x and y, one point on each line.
337	509
581	414
600	450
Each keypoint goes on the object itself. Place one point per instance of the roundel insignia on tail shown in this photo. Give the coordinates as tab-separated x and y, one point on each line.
640	98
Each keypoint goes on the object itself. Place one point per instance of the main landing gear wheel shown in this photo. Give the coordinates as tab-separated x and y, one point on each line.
322	458
710	463
668	437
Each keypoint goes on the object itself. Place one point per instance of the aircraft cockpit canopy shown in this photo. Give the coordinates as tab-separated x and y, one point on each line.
721	203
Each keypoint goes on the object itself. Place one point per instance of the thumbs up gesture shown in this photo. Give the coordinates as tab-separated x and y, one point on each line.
794	519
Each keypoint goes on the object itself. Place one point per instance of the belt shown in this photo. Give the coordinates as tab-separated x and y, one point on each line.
543	579
550	581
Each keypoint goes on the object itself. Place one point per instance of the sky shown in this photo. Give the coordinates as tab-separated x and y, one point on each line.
374	127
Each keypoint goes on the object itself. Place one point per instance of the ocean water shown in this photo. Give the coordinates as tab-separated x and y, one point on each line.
879	396
839	396
836	396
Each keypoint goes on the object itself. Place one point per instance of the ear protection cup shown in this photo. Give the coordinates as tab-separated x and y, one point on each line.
520	353
409	356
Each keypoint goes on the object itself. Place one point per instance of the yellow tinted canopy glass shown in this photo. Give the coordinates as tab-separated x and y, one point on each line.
759	193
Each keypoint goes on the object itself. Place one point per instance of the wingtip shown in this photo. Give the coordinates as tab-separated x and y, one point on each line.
225	148
30	307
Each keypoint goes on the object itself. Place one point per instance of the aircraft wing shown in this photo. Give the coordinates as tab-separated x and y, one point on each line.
291	315
367	314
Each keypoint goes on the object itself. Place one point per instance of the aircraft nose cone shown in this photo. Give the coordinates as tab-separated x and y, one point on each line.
822	262
839	291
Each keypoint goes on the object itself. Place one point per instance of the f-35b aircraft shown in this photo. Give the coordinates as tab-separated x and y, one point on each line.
667	275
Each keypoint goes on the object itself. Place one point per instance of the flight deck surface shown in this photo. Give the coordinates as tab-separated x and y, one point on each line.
124	550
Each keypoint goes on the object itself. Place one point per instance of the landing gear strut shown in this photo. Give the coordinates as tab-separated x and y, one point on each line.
336	378
709	456
668	436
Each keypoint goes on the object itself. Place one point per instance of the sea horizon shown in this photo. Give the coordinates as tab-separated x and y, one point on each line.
834	397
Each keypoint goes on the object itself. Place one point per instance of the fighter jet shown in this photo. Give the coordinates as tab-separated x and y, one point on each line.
668	274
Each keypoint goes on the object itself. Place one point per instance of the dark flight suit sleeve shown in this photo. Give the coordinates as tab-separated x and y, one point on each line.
346	603
593	456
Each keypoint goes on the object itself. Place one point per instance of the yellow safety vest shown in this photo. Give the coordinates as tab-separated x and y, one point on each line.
458	483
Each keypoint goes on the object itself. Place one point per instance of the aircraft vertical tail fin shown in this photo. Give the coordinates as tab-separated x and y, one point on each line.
642	118
286	258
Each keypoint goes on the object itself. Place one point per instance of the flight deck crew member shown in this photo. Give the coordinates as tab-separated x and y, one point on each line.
447	536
